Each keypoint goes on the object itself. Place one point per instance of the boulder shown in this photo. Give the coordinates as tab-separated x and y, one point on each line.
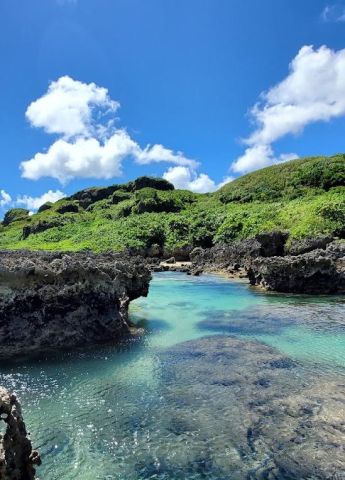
58	300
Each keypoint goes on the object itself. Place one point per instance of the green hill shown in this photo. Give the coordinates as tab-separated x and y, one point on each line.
305	197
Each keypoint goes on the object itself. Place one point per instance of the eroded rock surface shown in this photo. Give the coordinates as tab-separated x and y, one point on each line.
17	459
318	271
50	300
312	266
249	413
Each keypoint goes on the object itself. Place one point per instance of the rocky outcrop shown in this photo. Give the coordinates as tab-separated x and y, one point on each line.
298	247
320	268
56	300
17	459
319	271
238	256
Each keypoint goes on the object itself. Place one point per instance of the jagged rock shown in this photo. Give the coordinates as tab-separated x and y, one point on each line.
17	459
305	245
319	271
56	300
240	254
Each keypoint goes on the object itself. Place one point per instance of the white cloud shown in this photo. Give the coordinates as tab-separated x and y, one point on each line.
333	13
259	156
185	178
33	203
225	181
89	145
313	91
83	158
158	153
5	198
69	106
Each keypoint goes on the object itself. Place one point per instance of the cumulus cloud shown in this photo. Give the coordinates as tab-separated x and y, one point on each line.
34	203
313	91
5	198
83	158
259	156
333	13
186	178
90	146
68	107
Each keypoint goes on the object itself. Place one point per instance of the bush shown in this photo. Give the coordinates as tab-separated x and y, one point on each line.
14	215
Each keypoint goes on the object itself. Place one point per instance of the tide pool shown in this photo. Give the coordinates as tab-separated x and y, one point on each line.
103	413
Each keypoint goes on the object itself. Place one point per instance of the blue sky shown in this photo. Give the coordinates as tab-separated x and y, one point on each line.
186	74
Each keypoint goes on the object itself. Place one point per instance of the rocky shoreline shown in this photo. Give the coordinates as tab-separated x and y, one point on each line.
59	300
312	266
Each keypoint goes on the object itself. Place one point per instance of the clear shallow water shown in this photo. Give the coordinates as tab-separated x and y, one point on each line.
106	413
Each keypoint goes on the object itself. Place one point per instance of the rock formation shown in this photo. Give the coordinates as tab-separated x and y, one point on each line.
308	266
50	300
248	413
17	459
315	272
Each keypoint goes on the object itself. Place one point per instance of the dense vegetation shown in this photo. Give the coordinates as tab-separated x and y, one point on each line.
305	197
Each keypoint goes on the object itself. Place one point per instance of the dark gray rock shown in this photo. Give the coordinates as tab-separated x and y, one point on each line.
17	459
56	300
319	271
250	413
298	247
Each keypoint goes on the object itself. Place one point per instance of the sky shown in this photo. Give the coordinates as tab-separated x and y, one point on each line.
95	92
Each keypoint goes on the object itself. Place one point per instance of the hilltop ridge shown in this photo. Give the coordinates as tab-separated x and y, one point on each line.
304	197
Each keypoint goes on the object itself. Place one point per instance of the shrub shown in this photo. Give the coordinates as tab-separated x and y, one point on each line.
14	215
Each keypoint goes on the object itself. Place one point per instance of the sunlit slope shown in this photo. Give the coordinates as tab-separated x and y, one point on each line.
305	197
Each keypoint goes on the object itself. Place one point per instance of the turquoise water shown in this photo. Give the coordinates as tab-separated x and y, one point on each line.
102	413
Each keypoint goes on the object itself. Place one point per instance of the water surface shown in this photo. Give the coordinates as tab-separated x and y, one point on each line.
107	413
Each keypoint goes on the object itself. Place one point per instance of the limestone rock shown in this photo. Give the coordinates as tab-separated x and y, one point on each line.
56	300
17	459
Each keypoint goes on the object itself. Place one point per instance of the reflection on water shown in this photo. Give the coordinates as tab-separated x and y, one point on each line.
152	410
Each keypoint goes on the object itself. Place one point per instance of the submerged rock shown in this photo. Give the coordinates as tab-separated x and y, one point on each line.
17	459
51	300
250	413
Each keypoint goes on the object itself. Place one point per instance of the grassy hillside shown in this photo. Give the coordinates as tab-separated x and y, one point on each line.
305	197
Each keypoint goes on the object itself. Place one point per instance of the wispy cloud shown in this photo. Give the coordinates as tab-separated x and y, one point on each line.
333	13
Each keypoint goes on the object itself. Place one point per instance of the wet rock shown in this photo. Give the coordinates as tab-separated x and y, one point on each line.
17	459
256	414
57	300
319	271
